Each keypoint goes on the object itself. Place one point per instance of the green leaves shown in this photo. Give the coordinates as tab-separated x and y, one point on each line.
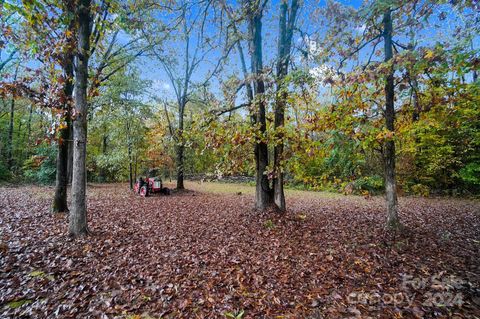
471	173
235	315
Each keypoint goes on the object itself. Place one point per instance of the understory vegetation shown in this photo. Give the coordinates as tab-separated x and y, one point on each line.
437	154
333	132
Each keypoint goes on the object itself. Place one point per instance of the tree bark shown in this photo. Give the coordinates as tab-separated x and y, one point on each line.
10	127
130	157
284	47
474	71
70	154
180	147
393	221
103	174
29	125
60	197
10	135
78	215
263	192
135	169
130	174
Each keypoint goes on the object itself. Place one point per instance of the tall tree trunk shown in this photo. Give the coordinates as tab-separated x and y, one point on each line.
136	166
180	147
416	101
130	174
10	127
29	125
103	173
60	198
78	215
10	135
284	47
130	157
412	79
389	149
243	64
26	134
70	154
263	192
474	71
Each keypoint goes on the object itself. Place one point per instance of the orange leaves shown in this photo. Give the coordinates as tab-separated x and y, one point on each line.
62	126
385	135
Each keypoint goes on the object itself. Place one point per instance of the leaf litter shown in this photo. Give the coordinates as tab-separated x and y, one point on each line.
196	255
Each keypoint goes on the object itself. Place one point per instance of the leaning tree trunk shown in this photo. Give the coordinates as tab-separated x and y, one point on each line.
78	215
389	149
263	192
60	197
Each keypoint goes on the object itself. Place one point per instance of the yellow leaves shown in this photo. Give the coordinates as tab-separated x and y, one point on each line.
302	216
385	135
87	248
429	54
37	273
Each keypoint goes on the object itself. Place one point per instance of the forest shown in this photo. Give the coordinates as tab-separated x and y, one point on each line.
239	159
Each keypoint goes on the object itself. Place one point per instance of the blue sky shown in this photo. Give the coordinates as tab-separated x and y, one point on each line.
152	70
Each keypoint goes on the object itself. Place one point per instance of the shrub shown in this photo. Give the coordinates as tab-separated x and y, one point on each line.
373	184
41	167
5	174
420	190
470	174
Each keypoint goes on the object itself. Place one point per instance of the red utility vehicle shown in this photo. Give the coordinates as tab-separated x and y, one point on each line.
150	185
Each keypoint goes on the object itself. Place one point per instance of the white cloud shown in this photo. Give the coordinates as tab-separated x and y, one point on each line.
314	49
361	28
323	72
159	85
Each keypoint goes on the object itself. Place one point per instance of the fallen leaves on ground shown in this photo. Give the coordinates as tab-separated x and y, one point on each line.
194	255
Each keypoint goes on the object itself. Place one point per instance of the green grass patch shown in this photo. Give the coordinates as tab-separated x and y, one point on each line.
245	189
18	303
